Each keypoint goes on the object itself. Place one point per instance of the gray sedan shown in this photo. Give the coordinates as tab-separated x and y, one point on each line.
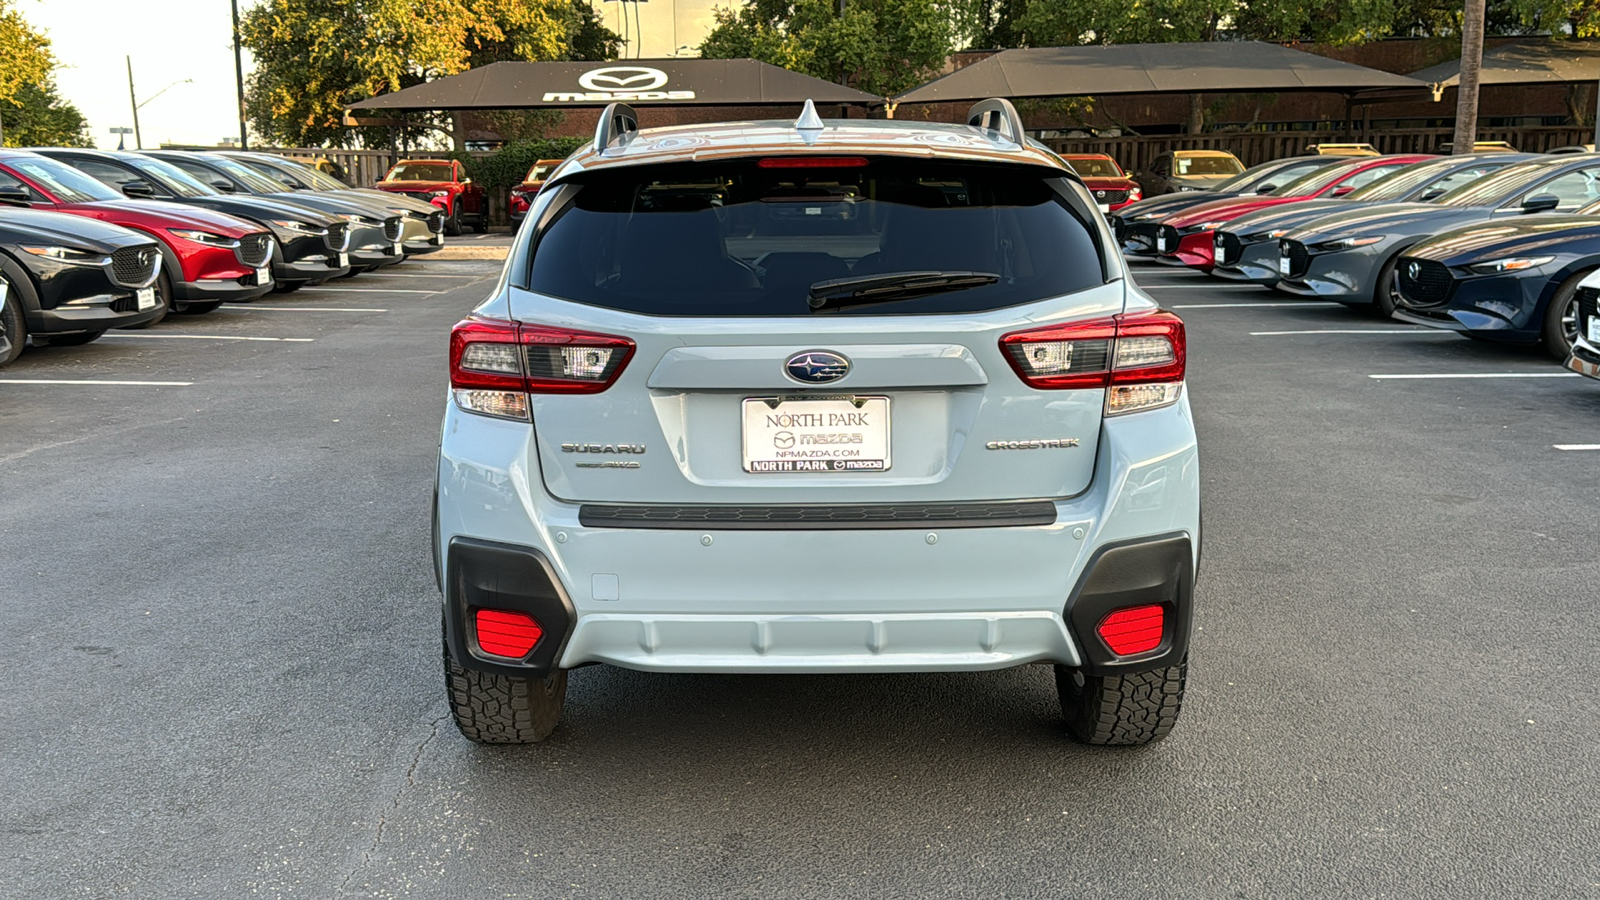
1350	256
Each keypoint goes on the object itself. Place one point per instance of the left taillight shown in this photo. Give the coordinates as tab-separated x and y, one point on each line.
1137	357
496	364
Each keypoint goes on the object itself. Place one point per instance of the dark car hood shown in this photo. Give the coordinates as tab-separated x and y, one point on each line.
176	214
1200	181
259	208
334	205
1499	240
1168	204
1399	218
1275	217
36	226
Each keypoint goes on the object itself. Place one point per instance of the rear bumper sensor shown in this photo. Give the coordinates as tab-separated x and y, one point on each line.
1005	514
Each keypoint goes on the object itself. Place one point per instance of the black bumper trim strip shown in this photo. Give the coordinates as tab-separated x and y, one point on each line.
850	517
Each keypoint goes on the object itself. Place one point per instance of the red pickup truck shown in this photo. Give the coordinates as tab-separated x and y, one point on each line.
445	184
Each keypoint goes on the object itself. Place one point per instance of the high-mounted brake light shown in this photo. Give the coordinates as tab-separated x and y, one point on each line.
813	162
1137	629
495	364
1137	357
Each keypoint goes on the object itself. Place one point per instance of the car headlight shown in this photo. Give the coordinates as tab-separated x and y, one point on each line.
203	237
67	254
441	193
1347	243
1512	264
296	225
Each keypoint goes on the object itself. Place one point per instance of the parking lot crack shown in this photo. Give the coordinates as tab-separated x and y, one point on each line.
394	802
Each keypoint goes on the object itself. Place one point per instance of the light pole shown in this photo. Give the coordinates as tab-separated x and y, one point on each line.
138	141
238	77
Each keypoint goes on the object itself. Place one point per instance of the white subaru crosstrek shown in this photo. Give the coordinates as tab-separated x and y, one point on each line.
817	396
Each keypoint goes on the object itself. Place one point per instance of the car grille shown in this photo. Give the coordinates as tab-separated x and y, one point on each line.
254	249
1424	282
771	518
1110	197
1172	236
1588	305
1229	248
391	228
135	267
338	237
436	221
1298	256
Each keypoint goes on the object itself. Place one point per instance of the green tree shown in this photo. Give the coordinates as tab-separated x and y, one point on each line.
25	57
879	46
37	116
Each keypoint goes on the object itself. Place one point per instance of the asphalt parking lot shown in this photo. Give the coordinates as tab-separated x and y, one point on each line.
223	675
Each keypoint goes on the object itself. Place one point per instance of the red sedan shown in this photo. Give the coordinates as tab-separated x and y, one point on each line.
1188	238
1111	187
207	257
445	184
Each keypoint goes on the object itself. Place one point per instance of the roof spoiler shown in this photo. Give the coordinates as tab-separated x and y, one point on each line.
998	115
616	123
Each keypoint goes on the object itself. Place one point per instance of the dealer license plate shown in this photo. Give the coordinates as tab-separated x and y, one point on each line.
1104	207
145	298
1283	265
344	260
831	434
439	239
264	275
1594	330
399	248
1161	244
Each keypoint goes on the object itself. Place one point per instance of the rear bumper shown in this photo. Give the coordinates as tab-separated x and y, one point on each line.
927	598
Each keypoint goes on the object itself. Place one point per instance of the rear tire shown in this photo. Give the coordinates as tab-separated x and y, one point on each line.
200	309
75	339
501	709
1121	710
1561	318
481	225
452	225
13	324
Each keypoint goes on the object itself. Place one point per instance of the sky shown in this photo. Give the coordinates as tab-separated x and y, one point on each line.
191	42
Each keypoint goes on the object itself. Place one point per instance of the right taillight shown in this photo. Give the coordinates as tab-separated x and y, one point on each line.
496	364
1137	357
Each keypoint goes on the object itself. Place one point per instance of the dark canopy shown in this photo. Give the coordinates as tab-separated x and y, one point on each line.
1211	67
640	82
1549	62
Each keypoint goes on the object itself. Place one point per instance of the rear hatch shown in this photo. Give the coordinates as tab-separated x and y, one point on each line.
781	352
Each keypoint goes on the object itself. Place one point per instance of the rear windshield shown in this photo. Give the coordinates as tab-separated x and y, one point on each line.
1206	165
736	239
1094	167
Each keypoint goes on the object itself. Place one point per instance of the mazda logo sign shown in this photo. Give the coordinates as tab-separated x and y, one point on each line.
1100	195
816	367
1413	270
623	78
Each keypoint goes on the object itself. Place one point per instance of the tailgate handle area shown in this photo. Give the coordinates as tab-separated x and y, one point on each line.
872	366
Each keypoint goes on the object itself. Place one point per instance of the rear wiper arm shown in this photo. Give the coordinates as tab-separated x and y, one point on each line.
894	286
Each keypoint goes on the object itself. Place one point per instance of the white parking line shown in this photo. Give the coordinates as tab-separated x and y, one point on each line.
203	337
1356	331
1480	375
1576	446
1306	303
323	290
66	381
258	308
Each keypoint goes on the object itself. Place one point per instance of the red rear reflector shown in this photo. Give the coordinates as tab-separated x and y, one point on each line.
813	162
1133	630
505	633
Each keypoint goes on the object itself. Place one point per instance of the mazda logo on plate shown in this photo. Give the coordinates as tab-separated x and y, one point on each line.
1413	270
816	367
623	78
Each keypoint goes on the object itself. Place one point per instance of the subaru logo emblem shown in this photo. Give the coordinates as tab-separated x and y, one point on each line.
816	367
1413	270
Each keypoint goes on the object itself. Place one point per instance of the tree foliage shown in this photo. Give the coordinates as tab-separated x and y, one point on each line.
316	57
879	46
37	116
25	57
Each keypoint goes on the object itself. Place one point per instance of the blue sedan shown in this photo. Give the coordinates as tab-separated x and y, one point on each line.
1515	282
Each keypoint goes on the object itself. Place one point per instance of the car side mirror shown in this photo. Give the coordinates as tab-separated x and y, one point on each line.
1266	188
1540	203
289	183
224	186
14	196
139	189
1343	189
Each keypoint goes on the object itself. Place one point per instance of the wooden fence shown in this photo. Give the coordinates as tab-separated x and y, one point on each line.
361	168
1253	147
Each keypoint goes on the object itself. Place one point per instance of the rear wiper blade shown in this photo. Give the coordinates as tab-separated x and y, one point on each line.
894	286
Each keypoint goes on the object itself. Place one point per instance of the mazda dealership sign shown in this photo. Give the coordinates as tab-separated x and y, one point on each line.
614	83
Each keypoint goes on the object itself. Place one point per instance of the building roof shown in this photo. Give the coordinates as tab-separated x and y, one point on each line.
1546	62
638	82
1206	67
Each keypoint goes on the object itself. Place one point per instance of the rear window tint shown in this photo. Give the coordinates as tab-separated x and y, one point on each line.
735	239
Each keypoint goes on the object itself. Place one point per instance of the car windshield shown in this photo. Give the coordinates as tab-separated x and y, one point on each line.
1206	165
1489	191
1276	172
1095	166
420	172
734	238
68	184
250	178
270	172
172	178
319	179
1316	180
540	171
1441	176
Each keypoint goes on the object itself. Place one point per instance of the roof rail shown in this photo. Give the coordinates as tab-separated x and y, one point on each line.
998	115
617	121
